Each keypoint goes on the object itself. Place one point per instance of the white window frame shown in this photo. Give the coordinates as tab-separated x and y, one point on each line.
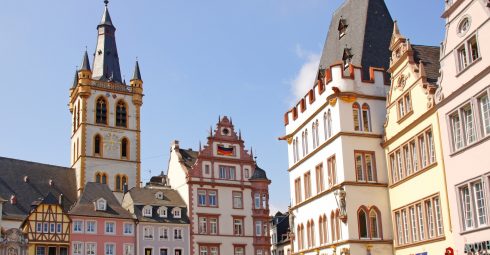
177	212
151	233
106	245
473	211
131	229
91	248
131	247
81	225
147	211
77	248
108	223
89	223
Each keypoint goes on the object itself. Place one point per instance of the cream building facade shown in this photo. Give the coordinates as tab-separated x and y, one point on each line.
334	135
417	187
464	114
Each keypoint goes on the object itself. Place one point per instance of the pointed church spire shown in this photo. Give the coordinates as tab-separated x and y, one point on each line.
396	30
106	60
75	80
85	63
136	73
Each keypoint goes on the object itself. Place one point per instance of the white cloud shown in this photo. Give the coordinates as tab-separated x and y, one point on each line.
305	78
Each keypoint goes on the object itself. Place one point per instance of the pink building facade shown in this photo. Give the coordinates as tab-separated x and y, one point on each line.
464	116
100	226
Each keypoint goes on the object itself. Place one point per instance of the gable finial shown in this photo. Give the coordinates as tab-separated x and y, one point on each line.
106	2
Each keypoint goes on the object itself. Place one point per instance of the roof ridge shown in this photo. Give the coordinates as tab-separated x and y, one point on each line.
32	162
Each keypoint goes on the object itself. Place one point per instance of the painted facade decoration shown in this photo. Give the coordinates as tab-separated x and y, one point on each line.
47	227
163	223
105	141
421	218
464	115
99	225
226	194
13	242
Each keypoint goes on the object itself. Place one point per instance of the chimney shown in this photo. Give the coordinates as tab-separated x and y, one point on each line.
13	200
175	145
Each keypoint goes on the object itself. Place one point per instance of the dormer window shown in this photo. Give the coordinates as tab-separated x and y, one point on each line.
176	212
347	57
159	195
162	211
101	204
147	211
342	27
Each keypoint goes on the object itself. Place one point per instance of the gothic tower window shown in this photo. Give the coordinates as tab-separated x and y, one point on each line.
121	114
374	223
97	145
101	178
101	111
118	183
366	118
363	224
356	115
124	148
347	57
342	27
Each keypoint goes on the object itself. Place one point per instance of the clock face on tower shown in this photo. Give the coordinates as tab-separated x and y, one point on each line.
111	142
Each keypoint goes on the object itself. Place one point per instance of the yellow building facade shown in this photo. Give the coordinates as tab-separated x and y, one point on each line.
47	228
417	185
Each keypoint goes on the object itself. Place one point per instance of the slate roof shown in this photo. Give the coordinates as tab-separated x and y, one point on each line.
146	196
281	222
12	174
430	56
189	156
259	174
368	35
85	206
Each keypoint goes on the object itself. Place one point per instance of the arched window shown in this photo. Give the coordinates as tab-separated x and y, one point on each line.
366	118
363	223
312	233
101	178
356	114
303	143
101	111
97	145
338	233
306	141
317	138
329	123
124	148
294	151
121	114
297	149
313	132
74	119
374	223
332	227
118	183
78	114
325	229
320	229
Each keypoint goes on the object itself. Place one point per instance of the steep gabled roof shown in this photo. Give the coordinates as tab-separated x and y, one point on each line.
430	56
368	35
189	156
31	182
93	192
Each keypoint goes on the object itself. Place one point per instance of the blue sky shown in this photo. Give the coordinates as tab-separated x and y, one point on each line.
248	59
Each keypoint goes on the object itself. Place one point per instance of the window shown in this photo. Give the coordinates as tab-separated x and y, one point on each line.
314	132
356	115
303	143
109	249
52	228
208	224
101	111
45	227
297	190
40	250
322	229
415	221
332	178
238	226
163	233
97	145
121	115
147	211
101	204
207	198
77	226
307	181
369	223
128	249
77	248
177	252
90	248
120	182
365	167
297	149
177	234
162	212
301	236
237	200
473	204
246	173
258	228
227	172
462	121
362	117
374	223
404	106
212	196
110	228
257	200
101	178
124	148
484	104
148	233
208	249
39	227
201	197
295	159
176	212
327	124
342	27
463	26
91	227
128	228
207	170
239	251
366	118
164	251
467	53
319	178
363	224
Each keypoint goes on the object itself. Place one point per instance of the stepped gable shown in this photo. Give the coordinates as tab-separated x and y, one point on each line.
368	28
85	206
429	55
147	196
24	184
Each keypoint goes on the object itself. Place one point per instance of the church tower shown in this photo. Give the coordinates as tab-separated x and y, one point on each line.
105	140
